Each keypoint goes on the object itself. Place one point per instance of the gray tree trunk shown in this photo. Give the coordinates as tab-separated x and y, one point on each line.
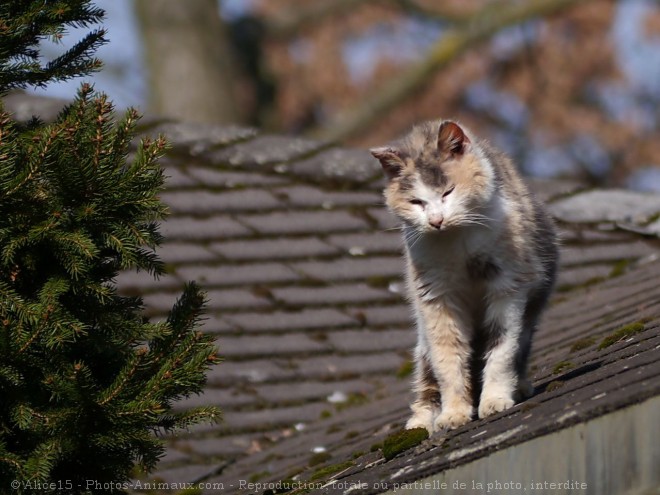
191	73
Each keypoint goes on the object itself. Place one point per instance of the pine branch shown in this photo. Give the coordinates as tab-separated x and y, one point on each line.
24	24
123	378
185	314
189	418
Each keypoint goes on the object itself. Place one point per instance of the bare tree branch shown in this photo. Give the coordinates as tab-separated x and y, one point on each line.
438	12
291	23
456	41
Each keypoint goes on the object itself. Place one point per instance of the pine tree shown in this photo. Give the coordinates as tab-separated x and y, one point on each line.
85	379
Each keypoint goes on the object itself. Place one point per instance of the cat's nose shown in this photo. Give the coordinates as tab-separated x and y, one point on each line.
436	222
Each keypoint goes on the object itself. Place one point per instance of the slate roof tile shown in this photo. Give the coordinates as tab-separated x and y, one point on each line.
190	471
178	178
582	275
185	252
232	275
606	206
271	418
198	138
213	178
218	448
383	219
314	390
571	256
339	294
303	222
291	321
362	244
266	346
274	249
263	150
190	228
336	367
303	196
352	341
251	370
378	316
235	299
226	397
358	268
203	203
337	164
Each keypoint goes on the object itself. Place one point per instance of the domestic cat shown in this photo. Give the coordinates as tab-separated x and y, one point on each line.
481	256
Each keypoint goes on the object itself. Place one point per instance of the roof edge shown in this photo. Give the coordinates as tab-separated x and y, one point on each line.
610	454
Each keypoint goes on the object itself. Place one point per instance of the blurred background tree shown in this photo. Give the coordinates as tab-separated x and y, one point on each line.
570	88
195	80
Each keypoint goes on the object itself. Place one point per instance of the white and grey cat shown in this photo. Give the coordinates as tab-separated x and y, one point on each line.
481	259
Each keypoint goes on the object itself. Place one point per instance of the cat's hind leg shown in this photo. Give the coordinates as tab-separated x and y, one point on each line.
537	301
524	389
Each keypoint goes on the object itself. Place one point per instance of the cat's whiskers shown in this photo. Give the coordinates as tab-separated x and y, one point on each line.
412	237
474	219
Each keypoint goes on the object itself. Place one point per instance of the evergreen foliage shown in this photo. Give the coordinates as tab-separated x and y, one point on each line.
24	23
85	379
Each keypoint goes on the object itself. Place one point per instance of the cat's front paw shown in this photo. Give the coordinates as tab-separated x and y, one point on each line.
452	418
421	418
494	404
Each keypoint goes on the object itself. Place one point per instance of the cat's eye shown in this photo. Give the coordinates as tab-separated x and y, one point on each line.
416	201
448	192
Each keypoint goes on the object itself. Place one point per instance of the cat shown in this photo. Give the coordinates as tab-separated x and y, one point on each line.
481	259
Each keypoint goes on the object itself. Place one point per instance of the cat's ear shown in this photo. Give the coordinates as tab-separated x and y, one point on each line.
390	159
451	138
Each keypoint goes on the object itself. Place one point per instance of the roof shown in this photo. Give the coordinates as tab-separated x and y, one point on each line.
302	266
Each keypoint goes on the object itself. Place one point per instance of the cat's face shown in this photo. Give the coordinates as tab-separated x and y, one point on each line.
437	180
